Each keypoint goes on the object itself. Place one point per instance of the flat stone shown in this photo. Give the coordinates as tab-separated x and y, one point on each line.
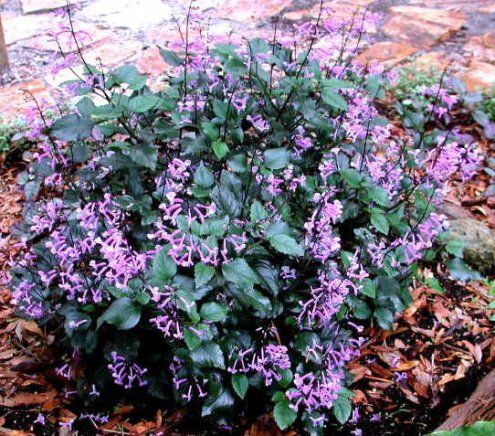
151	62
419	33
113	52
232	32
422	27
481	75
18	28
488	9
248	12
128	14
93	34
32	6
438	60
15	102
454	20
453	5
162	35
386	53
338	6
482	48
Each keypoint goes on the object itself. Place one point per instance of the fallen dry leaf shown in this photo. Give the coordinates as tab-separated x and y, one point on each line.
27	399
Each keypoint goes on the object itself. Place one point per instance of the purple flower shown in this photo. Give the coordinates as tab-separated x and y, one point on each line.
259	123
40	419
126	374
270	361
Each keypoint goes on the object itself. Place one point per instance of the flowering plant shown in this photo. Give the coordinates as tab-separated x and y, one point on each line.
221	239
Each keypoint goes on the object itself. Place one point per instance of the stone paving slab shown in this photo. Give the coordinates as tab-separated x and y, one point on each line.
96	34
36	6
14	100
20	28
456	5
422	27
131	14
423	32
387	53
481	75
245	12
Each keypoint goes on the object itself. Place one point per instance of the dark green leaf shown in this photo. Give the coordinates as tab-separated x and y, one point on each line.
203	177
208	355
221	149
164	267
286	245
384	317
72	128
143	103
203	274
240	384
170	57
276	158
342	408
213	312
258	212
352	177
191	339
224	400
122	313
333	99
361	310
284	415
239	272
379	221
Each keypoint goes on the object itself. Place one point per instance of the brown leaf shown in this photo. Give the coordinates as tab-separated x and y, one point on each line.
264	426
26	365
32	327
27	398
409	394
406	366
477	353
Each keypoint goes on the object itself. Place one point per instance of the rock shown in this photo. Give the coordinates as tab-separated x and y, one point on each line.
347	6
113	52
422	27
18	28
437	60
480	75
33	6
386	53
488	9
479	240
482	48
90	35
247	12
14	102
126	14
454	5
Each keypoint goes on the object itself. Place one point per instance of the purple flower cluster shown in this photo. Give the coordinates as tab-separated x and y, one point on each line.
125	373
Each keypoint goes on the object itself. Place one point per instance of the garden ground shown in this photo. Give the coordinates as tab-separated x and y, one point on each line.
438	349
